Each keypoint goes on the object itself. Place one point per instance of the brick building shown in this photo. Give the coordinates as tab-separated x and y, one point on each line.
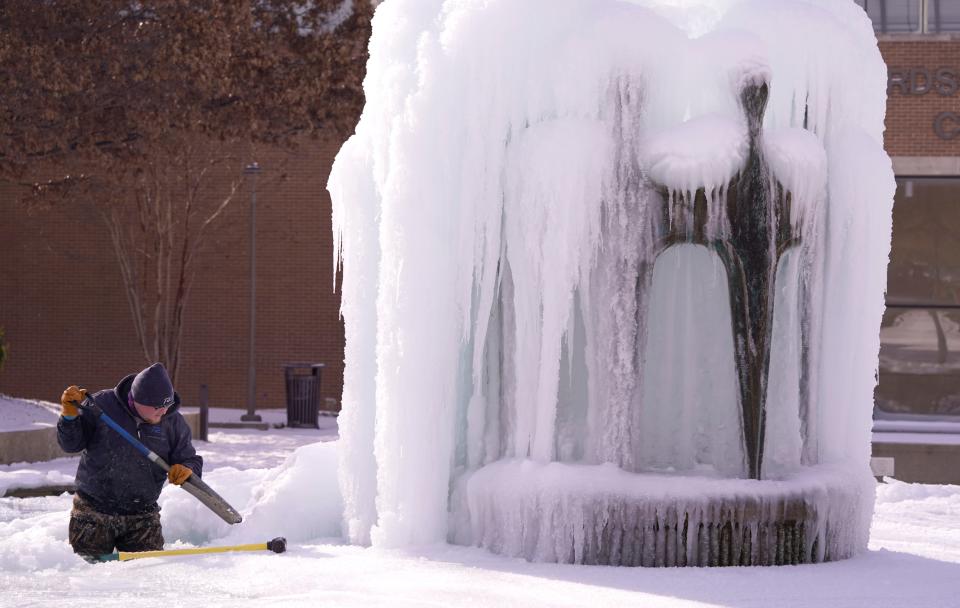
919	363
67	319
60	333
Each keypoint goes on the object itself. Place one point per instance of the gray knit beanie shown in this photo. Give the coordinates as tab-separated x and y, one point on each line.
152	387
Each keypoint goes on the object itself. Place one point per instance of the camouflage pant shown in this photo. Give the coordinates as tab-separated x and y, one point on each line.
93	533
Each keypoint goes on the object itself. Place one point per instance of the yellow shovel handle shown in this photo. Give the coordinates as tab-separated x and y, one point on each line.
128	555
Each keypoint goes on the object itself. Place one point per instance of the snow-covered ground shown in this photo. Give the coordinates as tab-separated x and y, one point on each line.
914	557
914	561
26	414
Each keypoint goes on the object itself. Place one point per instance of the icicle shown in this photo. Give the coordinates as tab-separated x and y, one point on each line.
525	267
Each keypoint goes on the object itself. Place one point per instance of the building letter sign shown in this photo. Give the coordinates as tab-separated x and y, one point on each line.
920	81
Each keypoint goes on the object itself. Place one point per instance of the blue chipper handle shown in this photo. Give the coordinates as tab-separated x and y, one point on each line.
154	458
193	485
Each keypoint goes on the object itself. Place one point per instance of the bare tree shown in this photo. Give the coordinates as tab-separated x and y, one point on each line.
132	107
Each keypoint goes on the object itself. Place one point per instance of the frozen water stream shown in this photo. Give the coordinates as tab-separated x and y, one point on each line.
649	235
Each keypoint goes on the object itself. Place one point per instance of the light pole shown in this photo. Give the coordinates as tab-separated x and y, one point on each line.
252	171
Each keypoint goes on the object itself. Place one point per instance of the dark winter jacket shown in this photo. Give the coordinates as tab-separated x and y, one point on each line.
113	476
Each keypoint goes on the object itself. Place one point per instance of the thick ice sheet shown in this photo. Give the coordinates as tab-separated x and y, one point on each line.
590	514
498	201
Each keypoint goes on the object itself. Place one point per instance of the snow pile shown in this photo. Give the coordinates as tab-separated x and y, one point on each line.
499	219
37	474
705	150
33	534
913	516
298	499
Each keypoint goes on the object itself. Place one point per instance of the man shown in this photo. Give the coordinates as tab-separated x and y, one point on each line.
117	488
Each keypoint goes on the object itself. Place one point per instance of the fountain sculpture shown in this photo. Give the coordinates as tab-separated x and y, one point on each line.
613	277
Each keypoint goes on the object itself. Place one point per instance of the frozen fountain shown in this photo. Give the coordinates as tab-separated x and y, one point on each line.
613	277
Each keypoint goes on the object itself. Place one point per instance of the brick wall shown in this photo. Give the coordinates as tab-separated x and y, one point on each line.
67	319
913	63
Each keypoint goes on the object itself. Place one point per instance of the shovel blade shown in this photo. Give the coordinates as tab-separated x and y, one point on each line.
205	494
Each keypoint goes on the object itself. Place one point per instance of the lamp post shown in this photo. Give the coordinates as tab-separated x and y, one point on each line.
252	171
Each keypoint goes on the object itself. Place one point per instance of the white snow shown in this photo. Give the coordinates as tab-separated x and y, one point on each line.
57	472
914	559
709	149
27	414
286	484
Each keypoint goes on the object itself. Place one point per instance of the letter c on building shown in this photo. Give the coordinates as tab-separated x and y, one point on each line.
947	125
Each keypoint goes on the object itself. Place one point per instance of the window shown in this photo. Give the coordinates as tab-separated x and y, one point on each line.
894	16
920	333
943	15
913	16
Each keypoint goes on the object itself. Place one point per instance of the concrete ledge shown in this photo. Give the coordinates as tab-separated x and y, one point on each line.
918	37
922	463
35	445
921	166
259	426
39	445
40	491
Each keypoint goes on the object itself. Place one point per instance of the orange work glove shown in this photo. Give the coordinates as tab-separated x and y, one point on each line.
71	395
179	474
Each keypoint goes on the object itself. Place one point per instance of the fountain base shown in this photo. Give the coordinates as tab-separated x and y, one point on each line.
601	515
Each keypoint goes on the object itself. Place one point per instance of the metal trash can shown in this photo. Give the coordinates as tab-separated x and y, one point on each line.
303	393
